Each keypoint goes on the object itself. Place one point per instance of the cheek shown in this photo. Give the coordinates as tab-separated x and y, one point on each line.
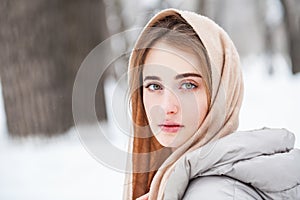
202	107
194	108
152	107
148	104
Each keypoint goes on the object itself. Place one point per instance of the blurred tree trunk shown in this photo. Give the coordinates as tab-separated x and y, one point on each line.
292	23
268	27
202	7
42	44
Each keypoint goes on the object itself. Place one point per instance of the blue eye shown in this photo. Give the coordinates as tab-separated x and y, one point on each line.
188	86
154	87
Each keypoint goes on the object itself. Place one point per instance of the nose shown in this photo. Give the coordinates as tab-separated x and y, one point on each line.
170	103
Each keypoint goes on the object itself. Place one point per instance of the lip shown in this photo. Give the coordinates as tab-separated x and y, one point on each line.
170	127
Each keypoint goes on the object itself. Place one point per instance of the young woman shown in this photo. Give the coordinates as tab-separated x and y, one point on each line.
186	93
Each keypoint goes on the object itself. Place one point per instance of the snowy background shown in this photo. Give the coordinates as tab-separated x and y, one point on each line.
61	168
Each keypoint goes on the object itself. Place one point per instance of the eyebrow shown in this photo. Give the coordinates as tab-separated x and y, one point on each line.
155	78
179	76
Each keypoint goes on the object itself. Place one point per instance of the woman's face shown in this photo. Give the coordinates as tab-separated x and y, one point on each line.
174	94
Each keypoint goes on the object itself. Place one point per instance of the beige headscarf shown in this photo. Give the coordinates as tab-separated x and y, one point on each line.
226	96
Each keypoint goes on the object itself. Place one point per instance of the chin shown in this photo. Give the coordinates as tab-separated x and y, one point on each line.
167	139
168	143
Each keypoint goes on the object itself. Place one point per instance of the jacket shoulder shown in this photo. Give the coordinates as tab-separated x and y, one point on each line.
219	188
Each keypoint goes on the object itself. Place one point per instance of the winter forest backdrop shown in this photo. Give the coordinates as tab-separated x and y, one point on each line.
42	45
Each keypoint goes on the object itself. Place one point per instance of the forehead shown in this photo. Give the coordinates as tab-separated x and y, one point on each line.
164	57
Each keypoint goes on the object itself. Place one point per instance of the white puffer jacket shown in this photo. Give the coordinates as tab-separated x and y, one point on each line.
260	164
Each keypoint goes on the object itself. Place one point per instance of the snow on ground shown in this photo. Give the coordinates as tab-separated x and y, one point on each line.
59	169
62	169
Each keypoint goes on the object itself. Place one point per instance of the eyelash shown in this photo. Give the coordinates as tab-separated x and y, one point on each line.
153	84
194	86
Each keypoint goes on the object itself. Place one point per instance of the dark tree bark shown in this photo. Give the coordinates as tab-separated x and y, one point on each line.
202	7
292	24
267	32
42	44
